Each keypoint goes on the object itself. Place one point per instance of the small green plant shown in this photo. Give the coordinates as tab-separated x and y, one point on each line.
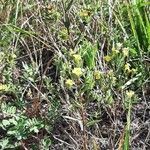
17	126
129	98
66	68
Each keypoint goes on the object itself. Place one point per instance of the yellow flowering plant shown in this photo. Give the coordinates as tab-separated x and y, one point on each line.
130	98
128	69
85	13
125	52
130	93
77	72
4	87
107	58
69	83
111	72
77	59
97	75
64	34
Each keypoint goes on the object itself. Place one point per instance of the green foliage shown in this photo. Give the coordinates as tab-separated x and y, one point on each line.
72	59
129	98
17	125
139	21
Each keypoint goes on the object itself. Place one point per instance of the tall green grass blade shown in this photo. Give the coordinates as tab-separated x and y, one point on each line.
17	11
128	5
126	141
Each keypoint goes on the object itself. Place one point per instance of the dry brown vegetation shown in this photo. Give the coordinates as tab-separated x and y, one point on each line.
74	75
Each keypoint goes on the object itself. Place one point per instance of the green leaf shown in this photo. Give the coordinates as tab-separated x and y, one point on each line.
34	129
12	110
13	121
4	143
5	123
133	52
11	132
131	81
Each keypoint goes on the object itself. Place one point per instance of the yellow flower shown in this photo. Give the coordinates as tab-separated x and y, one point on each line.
97	75
77	72
4	87
125	51
127	67
130	94
107	58
69	83
50	8
64	34
84	13
77	58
